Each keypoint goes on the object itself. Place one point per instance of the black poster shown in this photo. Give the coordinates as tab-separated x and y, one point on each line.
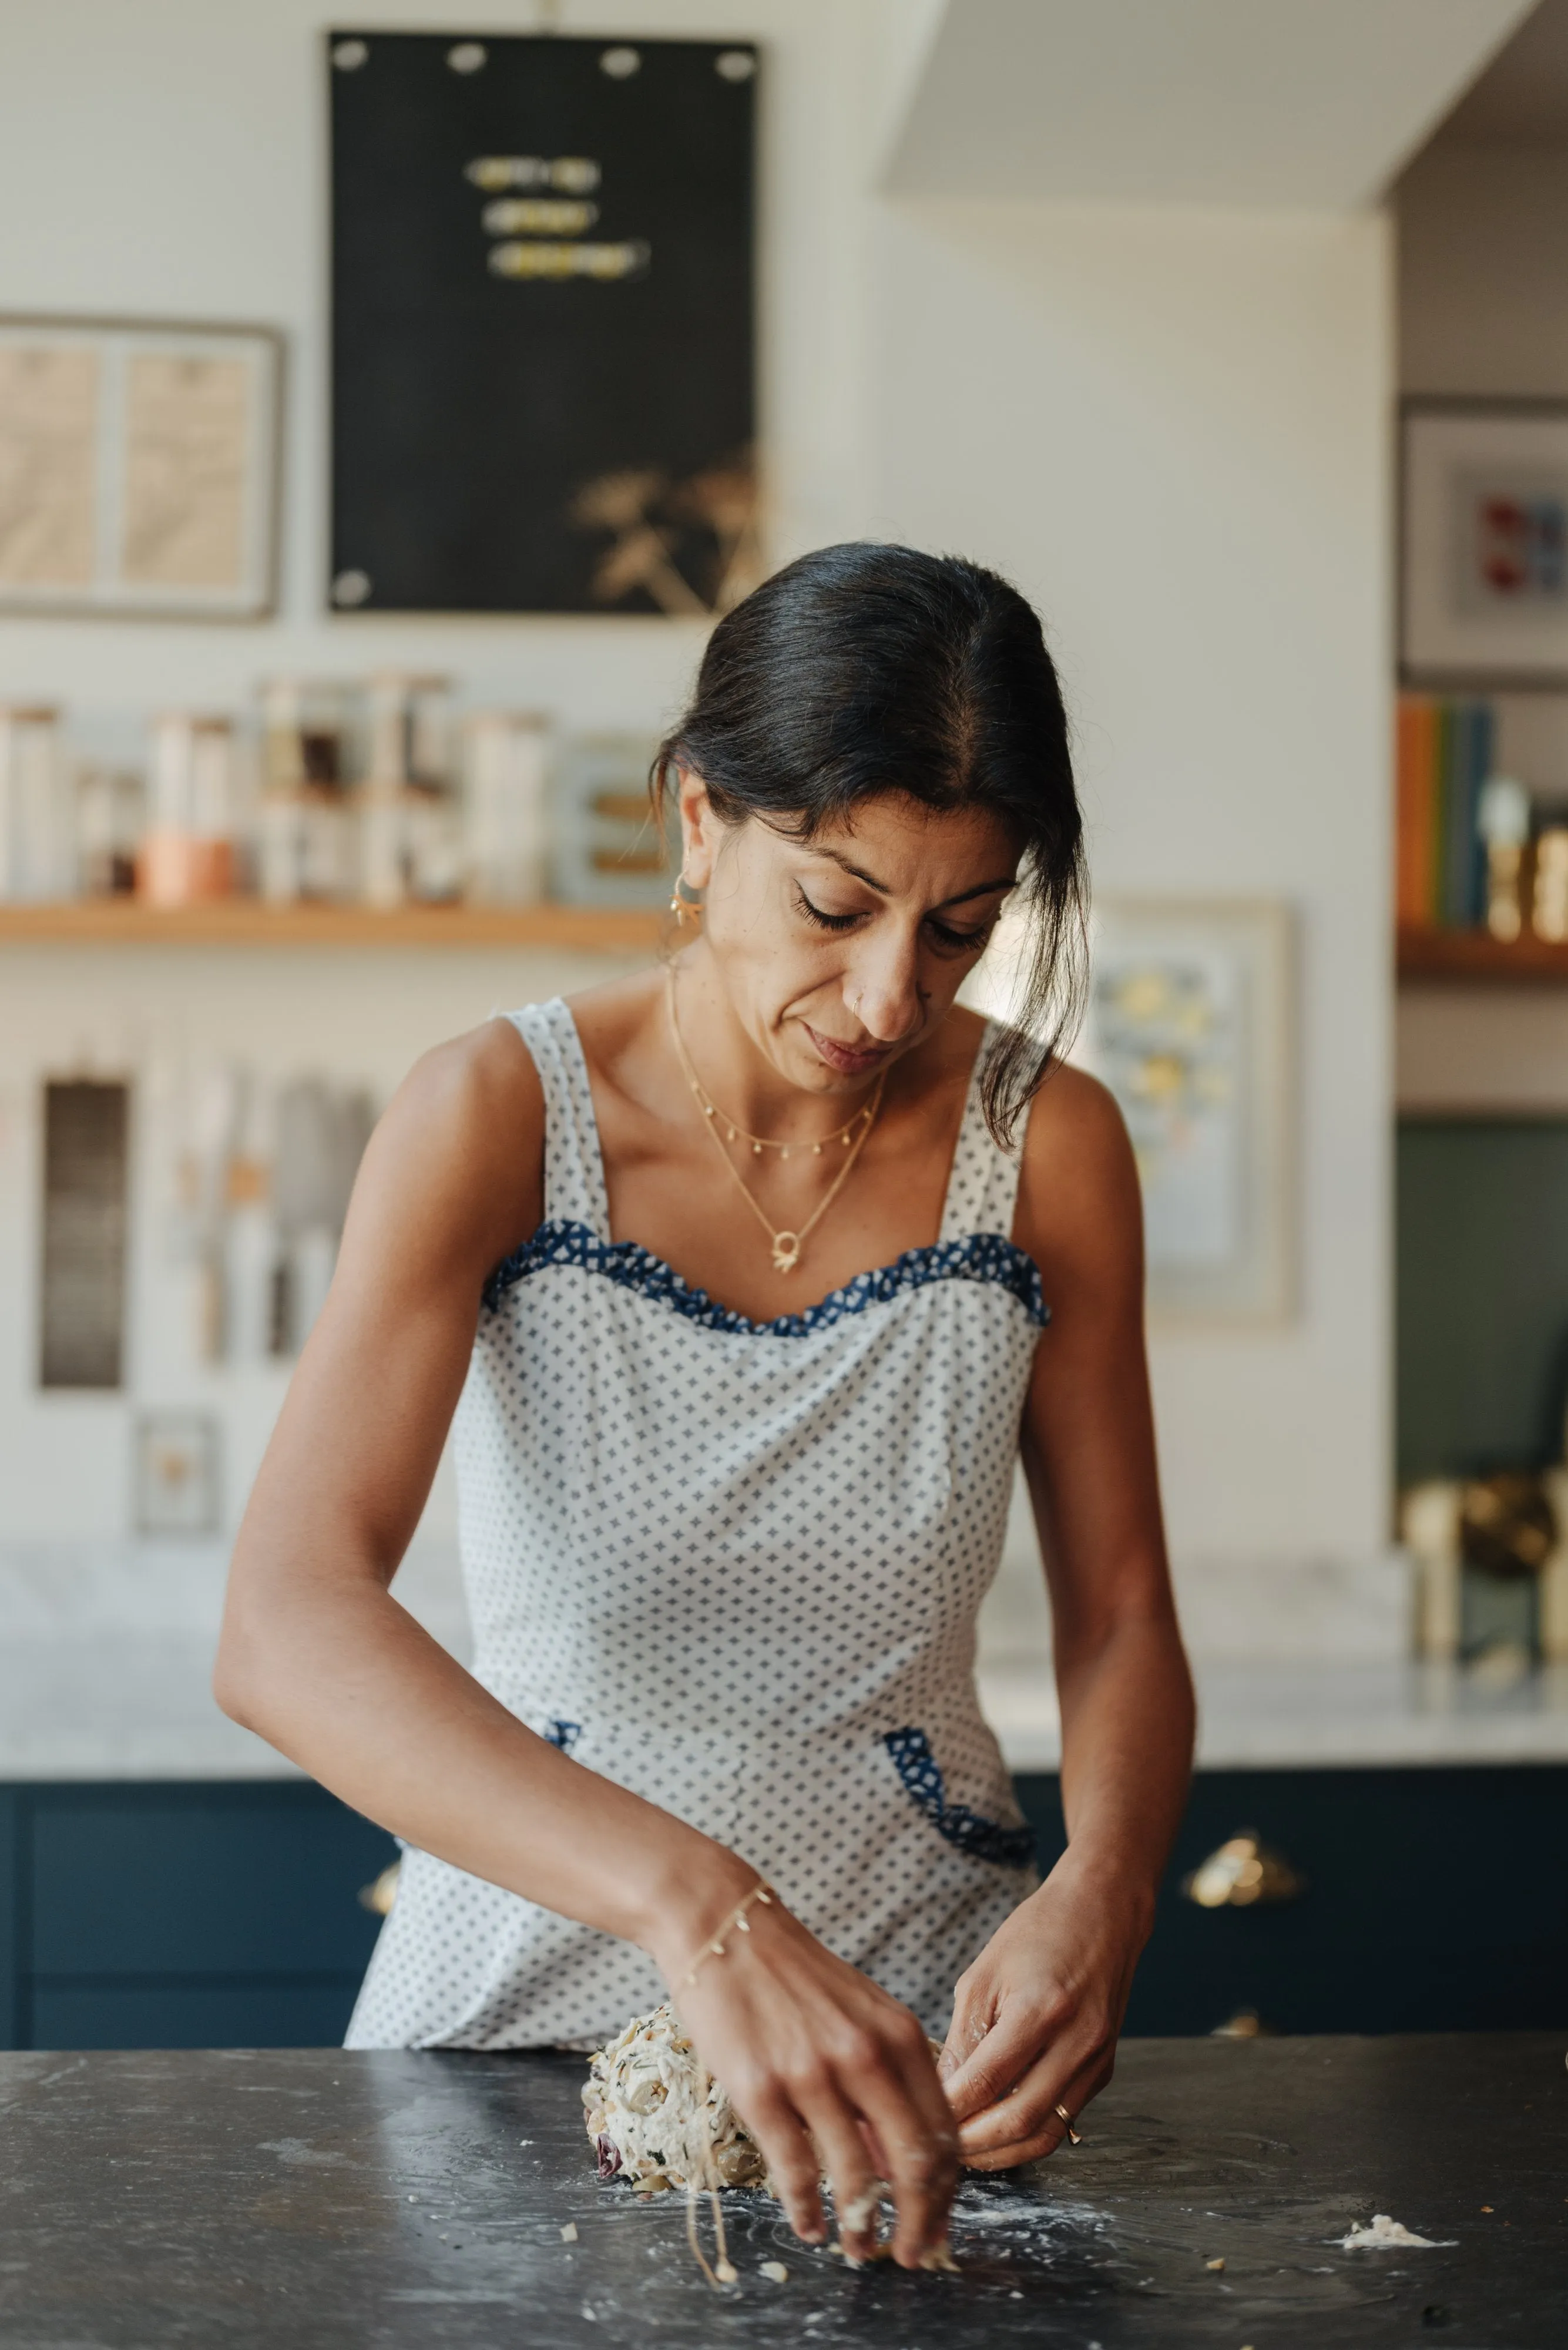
542	334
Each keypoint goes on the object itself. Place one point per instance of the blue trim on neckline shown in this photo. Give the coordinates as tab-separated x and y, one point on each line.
985	1257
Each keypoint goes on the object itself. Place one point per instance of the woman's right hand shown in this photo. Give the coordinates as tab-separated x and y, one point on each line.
830	2075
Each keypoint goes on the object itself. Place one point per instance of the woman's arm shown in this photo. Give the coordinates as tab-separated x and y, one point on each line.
318	1656
1037	2017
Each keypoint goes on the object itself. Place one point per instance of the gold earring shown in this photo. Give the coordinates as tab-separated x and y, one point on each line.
685	909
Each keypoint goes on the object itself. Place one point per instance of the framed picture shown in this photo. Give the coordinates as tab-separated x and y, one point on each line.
1484	543
1191	1025
139	468
176	1468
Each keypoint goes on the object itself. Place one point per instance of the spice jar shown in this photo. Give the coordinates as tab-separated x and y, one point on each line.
188	852
35	832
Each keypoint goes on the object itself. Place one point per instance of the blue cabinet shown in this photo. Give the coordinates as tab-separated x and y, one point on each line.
179	1916
1434	1900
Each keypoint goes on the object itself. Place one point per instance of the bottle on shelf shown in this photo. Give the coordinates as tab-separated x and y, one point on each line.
111	815
504	807
1549	897
304	845
1503	820
411	845
187	854
36	847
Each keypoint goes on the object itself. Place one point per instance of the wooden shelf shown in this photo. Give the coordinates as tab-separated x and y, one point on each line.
246	922
1477	957
1432	956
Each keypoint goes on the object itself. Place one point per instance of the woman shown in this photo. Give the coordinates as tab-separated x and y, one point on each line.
776	1259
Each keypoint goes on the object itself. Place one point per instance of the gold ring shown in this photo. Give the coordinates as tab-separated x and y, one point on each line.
1074	2137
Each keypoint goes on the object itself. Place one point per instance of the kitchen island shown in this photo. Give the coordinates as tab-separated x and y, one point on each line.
169	1880
236	2200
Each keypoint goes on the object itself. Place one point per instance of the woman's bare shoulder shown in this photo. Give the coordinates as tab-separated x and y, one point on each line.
1071	1109
1078	1200
458	1155
481	1089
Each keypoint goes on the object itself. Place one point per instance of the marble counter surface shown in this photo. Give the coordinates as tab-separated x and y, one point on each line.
105	1661
106	1658
1323	1714
137	1705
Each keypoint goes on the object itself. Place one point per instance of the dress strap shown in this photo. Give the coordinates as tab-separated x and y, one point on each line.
983	1183
573	1167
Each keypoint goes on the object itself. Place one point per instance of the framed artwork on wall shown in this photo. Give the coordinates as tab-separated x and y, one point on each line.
176	1472
139	468
1191	1027
1484	543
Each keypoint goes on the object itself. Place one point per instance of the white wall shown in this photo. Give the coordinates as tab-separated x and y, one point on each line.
195	188
165	1017
1171	428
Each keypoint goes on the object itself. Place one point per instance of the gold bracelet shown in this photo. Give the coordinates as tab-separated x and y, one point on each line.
736	1919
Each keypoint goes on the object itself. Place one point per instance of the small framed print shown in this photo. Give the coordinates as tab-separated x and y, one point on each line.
139	468
1484	543
1191	1028
176	1466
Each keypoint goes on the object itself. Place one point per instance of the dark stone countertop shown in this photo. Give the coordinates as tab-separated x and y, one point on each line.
227	2199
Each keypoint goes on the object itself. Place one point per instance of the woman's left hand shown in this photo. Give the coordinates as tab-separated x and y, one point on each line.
1037	2017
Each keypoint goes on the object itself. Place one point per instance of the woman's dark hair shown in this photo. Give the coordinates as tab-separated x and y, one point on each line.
864	669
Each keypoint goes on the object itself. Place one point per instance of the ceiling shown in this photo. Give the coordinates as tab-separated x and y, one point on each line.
1252	103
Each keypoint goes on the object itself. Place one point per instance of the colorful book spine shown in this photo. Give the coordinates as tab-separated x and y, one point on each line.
1483	746
1445	751
1415	852
1453	841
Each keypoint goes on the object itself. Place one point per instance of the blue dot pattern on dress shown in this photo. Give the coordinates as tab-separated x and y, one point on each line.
734	1566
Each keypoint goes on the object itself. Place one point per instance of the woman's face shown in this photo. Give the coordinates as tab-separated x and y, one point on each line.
840	953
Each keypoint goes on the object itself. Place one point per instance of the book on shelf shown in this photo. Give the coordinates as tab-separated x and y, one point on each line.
1444	754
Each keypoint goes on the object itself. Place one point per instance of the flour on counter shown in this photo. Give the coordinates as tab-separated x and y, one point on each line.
656	2119
1389	2234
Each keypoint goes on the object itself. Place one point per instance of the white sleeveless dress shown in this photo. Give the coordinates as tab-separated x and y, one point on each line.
735	1566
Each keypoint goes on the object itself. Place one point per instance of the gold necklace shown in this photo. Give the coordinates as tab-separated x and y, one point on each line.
786	1245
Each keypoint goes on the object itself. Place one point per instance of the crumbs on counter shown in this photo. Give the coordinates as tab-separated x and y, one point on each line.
1386	2233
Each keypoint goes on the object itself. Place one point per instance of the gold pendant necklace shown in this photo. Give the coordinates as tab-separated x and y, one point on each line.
786	1245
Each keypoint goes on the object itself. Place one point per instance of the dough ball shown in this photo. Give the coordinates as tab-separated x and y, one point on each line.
657	2120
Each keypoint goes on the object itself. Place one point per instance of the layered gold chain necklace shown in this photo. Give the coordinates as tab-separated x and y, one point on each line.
851	1137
